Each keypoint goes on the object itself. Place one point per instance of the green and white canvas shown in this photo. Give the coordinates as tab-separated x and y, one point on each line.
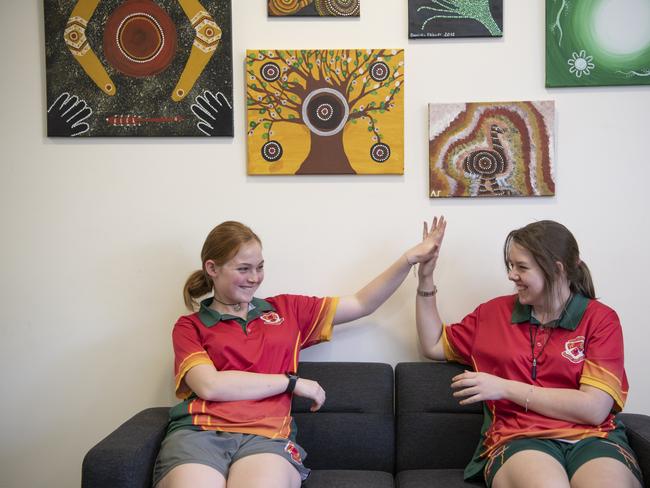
597	42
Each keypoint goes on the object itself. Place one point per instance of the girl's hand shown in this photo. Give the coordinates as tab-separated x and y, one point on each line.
426	252
474	387
310	389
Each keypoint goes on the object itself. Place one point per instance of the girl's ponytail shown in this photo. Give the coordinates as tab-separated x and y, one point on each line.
196	286
583	283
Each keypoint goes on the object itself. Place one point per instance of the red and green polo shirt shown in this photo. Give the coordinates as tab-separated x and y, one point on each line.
267	342
586	348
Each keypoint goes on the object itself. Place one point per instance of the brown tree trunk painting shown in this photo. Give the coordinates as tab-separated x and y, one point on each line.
326	156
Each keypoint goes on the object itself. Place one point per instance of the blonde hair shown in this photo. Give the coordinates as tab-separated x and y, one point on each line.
221	245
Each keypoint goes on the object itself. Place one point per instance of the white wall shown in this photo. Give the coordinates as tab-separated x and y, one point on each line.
98	236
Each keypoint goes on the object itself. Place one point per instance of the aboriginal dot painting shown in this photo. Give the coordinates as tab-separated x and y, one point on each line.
314	8
455	18
325	112
138	67
493	149
597	42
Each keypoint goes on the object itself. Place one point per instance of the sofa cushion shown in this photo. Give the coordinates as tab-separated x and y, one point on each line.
349	479
433	430
124	459
638	434
355	427
434	478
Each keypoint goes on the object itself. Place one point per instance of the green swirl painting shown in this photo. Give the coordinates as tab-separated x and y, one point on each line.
597	42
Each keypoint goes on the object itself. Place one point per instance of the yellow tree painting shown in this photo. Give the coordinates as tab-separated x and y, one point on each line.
325	111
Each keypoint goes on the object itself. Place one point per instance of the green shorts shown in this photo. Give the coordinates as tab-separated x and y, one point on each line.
220	449
570	455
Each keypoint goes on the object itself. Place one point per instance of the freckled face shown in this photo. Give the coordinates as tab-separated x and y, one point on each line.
238	279
526	274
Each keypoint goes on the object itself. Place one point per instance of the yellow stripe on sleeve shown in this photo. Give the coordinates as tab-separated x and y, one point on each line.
194	359
450	354
618	396
326	332
603	379
324	319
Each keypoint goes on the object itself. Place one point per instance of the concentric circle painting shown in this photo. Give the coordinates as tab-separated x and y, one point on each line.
491	149
597	42
314	8
325	111
138	68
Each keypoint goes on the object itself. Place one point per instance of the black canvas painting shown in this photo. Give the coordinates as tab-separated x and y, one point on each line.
138	68
455	18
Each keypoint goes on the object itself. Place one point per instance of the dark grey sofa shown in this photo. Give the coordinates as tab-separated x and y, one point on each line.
357	439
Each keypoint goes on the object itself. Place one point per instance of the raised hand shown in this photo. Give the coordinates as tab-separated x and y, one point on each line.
214	114
436	234
473	387
66	116
312	390
427	250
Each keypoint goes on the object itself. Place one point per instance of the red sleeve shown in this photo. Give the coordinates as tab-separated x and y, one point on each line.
603	366
315	317
458	339
188	352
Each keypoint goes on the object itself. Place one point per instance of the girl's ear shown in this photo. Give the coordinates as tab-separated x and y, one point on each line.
211	268
560	268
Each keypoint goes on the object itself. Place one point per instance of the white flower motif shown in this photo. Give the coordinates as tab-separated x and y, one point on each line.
581	64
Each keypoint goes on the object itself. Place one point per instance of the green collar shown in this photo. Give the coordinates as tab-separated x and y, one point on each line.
569	320
210	317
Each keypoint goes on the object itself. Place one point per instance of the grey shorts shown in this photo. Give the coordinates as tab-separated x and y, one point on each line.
220	449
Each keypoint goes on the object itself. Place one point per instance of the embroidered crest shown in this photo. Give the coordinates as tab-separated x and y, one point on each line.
574	349
272	318
293	450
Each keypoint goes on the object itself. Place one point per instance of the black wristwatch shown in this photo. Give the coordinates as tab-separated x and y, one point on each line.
293	378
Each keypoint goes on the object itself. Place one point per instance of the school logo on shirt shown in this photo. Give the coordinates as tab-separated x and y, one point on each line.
574	349
272	318
293	450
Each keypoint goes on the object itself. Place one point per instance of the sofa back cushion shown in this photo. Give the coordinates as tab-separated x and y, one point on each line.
433	430
355	427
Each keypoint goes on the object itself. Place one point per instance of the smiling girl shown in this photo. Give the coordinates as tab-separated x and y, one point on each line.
548	365
236	360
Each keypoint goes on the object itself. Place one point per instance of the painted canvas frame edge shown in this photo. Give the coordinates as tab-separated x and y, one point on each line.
452	21
450	119
583	61
313	8
341	111
89	96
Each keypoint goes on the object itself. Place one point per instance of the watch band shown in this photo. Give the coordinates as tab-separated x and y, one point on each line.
293	379
428	293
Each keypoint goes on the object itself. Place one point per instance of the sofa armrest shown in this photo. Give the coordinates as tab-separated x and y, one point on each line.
638	433
125	458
